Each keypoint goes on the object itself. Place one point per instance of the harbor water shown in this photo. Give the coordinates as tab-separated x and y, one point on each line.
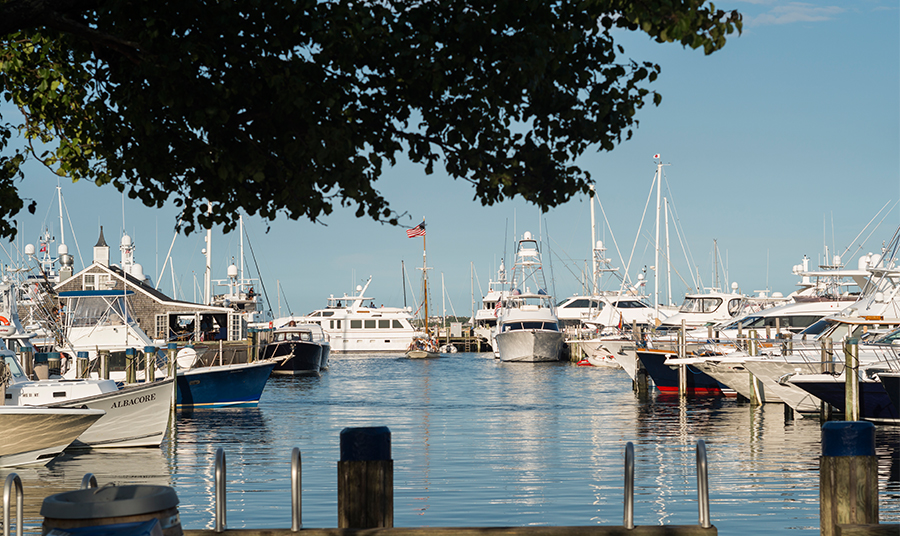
478	442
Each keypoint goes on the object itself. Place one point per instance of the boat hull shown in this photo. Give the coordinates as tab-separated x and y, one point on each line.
770	372
735	375
891	383
665	377
421	354
874	403
35	435
531	346
223	386
297	358
136	416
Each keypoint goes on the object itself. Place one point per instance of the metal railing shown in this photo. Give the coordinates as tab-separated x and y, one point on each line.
13	480
702	486
296	491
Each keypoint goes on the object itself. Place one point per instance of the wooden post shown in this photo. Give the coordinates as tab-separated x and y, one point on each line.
827	367
149	363
81	364
130	366
28	362
848	476
757	396
2	383
103	356
171	358
366	479
851	395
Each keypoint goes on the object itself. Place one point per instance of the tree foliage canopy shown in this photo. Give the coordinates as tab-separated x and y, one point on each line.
293	106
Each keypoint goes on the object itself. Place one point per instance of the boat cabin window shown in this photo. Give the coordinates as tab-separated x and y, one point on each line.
370	324
327	313
795	323
356	324
397	324
335	324
631	304
700	305
734	306
384	324
582	303
294	336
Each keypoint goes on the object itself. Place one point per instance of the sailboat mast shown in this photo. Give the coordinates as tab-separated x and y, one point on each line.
62	233
207	278
425	282
668	260
656	245
593	245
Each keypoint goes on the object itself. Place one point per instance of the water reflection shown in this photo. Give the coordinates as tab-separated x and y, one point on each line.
64	473
478	442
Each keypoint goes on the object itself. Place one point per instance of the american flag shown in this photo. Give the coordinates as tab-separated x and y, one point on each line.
418	230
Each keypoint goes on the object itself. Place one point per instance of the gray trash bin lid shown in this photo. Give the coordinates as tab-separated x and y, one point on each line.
109	501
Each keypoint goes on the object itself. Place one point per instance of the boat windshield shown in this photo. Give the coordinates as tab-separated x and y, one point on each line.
700	305
818	327
546	326
15	370
88	311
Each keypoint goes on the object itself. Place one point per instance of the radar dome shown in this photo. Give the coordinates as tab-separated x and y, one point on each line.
137	271
63	249
734	286
527	235
126	240
232	271
29	249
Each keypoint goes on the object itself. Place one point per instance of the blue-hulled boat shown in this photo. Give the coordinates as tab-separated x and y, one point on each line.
666	376
874	402
223	386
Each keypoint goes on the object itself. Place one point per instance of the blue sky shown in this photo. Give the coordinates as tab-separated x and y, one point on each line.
785	141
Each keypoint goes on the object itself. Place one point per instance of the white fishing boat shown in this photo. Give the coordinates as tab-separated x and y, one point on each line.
486	315
37	435
527	326
135	415
355	325
148	404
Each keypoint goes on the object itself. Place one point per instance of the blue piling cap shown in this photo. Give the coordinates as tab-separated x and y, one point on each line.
81	355
149	349
848	438
173	345
366	444
129	351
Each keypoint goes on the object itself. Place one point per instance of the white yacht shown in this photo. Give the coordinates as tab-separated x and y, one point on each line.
527	326
354	325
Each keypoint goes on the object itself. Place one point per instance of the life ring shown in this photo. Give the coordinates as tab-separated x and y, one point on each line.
4	321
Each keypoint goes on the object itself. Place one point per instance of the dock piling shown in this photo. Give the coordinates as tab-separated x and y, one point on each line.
851	379
366	479
848	476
